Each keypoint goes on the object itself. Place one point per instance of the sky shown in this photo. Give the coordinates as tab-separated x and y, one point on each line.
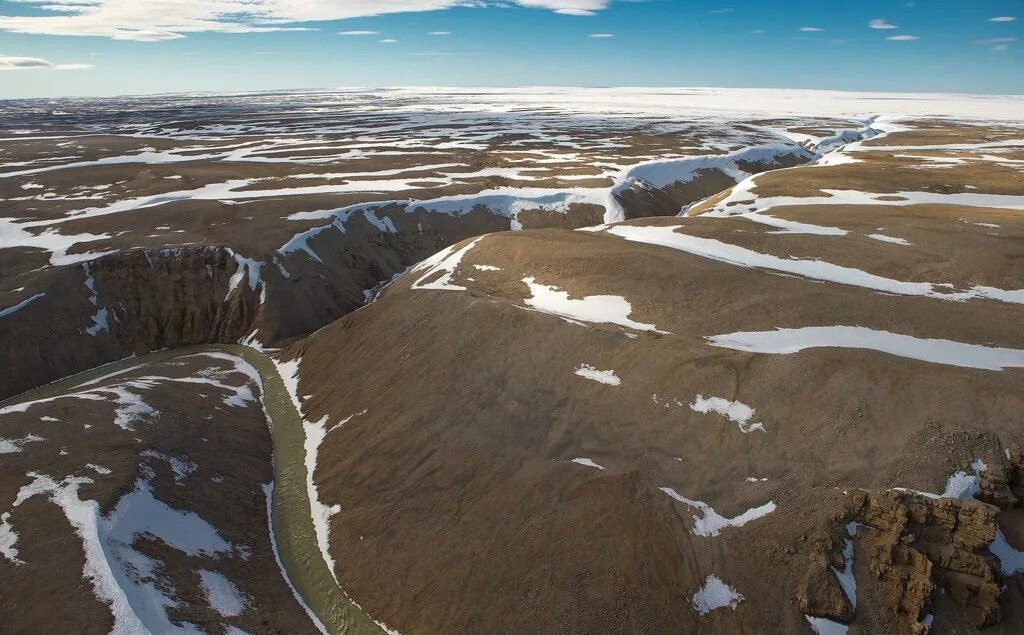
55	48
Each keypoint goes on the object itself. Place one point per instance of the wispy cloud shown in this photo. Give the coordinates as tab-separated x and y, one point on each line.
902	38
1003	18
564	7
440	33
12	63
358	32
997	43
157	20
602	36
811	29
721	11
387	40
439	53
881	24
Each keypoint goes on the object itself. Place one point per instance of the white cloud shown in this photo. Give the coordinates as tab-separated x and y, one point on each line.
1003	18
12	63
440	33
387	40
881	24
1000	47
811	29
567	7
357	32
902	38
602	35
155	20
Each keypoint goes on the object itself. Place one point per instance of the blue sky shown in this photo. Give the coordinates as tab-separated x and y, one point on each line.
109	47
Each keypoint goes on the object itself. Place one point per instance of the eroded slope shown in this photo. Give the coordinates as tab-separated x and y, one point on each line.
774	417
140	499
137	224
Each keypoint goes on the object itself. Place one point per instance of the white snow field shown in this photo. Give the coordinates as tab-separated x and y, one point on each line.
577	149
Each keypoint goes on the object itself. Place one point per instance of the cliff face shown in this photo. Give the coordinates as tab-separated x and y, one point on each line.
141	300
667	188
138	301
118	305
908	548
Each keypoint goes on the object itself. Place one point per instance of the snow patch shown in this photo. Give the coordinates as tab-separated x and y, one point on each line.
182	468
587	462
21	305
793	227
813	269
845	577
889	239
601	376
711	523
1011	561
8	539
125	579
715	594
11	446
601	309
936	351
735	411
960	485
289	372
223	596
823	626
315	434
247	269
444	262
100	317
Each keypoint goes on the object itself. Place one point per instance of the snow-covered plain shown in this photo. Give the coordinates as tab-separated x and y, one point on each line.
559	147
